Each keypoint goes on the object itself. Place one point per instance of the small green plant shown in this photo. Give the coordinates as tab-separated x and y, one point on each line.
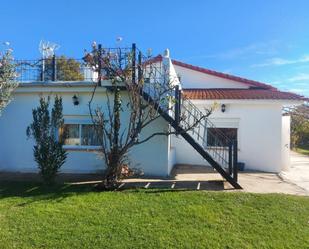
48	151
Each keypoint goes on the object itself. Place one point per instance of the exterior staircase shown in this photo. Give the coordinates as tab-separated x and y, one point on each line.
162	89
165	95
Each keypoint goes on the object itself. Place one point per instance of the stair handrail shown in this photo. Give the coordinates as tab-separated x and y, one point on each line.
220	156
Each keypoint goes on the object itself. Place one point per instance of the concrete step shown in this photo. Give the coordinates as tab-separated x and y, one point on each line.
187	172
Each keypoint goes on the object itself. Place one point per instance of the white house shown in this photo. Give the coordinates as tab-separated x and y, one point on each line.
248	111
252	112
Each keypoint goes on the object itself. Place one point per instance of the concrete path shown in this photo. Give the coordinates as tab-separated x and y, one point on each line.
298	173
190	177
253	182
262	182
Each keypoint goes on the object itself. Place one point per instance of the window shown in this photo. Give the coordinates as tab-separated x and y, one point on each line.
89	135
220	137
81	135
72	135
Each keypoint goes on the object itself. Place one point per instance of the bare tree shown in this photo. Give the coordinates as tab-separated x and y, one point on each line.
147	97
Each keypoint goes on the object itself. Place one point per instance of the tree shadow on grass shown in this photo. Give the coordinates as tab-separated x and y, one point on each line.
36	191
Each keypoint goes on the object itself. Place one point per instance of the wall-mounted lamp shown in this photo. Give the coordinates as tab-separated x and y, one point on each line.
75	100
223	108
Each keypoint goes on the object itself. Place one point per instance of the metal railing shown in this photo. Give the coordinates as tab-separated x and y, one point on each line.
188	116
156	83
221	147
60	68
52	69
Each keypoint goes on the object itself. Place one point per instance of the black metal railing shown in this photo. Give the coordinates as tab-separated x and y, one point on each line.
221	147
187	116
158	85
53	69
60	68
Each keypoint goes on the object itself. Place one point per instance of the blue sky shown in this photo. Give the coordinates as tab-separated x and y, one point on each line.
262	40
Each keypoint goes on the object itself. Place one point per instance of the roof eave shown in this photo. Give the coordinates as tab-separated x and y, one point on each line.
250	101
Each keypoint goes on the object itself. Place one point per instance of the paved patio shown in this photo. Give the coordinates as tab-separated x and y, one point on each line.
205	178
190	177
298	173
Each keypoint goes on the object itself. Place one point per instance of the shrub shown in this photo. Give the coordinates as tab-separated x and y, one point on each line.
48	151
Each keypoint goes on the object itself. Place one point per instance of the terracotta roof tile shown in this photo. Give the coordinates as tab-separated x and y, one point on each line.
221	93
257	90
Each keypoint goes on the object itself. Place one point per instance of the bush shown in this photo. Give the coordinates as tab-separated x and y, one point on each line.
48	151
300	127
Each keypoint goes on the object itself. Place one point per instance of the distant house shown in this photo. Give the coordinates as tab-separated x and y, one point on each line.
247	111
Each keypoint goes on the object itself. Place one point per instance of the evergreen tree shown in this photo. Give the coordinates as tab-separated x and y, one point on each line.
48	151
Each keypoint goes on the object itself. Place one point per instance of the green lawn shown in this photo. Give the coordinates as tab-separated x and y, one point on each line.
77	217
303	150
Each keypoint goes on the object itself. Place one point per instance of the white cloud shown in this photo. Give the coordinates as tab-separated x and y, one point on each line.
259	48
299	77
302	84
286	85
297	90
279	84
228	71
281	61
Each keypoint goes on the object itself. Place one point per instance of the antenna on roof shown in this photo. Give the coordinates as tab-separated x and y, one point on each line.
47	49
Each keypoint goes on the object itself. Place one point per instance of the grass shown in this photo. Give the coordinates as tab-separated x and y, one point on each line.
66	216
303	150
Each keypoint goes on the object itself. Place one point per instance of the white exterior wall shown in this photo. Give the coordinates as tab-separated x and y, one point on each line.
193	79
259	134
171	156
286	130
262	132
16	150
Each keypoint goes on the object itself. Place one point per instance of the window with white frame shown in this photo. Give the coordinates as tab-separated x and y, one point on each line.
80	135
